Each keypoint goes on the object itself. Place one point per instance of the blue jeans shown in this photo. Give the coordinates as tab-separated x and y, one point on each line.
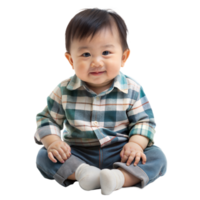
105	157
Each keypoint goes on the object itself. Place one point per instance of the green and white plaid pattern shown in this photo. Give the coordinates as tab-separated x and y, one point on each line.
92	120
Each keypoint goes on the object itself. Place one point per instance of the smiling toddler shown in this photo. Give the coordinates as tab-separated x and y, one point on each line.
108	142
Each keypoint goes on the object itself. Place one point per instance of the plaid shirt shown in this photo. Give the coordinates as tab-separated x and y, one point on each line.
112	116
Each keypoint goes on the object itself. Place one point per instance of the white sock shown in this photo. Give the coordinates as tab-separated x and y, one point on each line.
111	180
88	177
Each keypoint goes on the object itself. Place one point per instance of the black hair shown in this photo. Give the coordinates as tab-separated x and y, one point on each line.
90	21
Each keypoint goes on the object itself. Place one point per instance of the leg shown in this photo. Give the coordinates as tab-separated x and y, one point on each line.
129	179
115	179
58	171
155	167
88	177
46	167
72	177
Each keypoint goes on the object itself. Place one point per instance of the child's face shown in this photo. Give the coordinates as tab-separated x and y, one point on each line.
98	61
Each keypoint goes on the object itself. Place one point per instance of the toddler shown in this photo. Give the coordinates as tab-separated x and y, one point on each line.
109	138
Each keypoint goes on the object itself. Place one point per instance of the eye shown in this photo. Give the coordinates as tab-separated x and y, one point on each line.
106	52
85	54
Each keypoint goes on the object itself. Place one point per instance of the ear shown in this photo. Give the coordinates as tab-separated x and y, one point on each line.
69	58
125	56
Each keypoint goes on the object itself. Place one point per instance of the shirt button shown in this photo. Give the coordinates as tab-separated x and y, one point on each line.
95	123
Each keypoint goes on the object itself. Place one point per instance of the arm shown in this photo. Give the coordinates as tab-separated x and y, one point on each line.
49	139
140	140
49	124
50	120
141	119
141	127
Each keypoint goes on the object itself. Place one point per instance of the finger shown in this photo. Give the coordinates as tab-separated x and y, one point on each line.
144	158
57	155
124	158
137	159
62	154
131	158
67	150
51	157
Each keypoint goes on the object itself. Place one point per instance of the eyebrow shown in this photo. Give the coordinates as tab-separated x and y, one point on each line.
86	47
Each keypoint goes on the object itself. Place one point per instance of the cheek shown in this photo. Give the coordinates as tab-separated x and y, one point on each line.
114	66
80	67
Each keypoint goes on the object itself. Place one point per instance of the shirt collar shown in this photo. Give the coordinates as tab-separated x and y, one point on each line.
120	82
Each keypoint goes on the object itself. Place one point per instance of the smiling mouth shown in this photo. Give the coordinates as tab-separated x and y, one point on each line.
97	73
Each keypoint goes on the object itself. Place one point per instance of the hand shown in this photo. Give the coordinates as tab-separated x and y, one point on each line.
61	150
130	151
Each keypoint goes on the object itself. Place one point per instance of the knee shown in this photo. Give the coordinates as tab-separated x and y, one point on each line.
161	159
43	163
41	156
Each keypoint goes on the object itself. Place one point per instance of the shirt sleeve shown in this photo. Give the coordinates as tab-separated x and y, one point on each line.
50	120
141	118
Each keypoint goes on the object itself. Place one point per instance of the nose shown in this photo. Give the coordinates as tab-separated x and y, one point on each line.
97	63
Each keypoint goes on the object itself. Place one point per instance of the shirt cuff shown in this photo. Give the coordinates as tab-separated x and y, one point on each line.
145	130
44	131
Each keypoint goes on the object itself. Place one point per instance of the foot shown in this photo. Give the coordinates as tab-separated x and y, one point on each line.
88	177
111	180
